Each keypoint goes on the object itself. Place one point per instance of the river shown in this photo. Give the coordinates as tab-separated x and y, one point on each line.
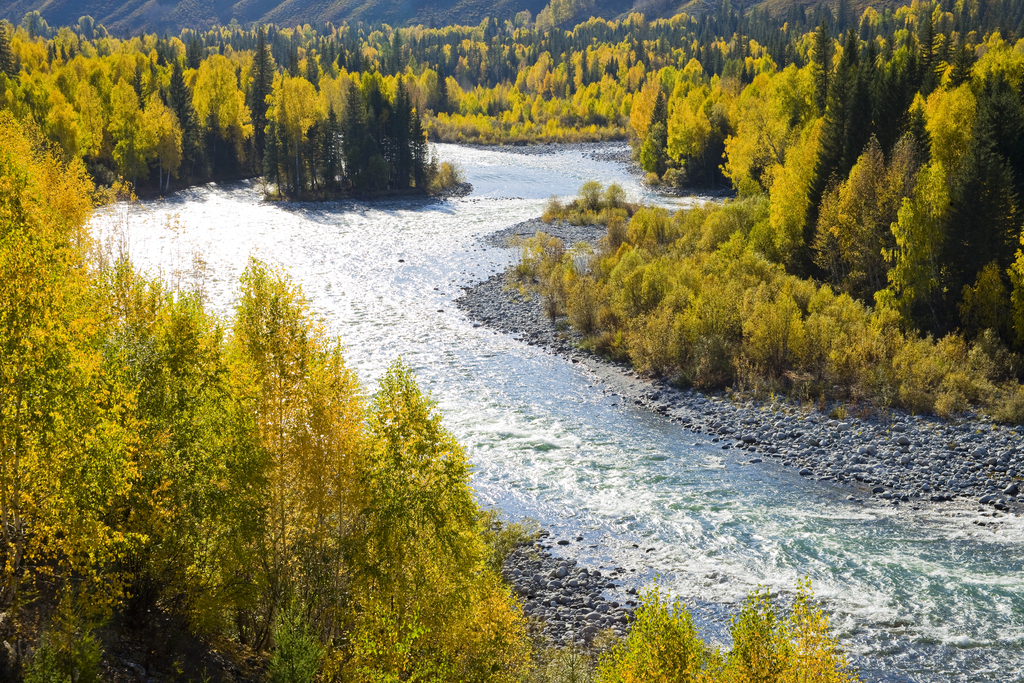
915	595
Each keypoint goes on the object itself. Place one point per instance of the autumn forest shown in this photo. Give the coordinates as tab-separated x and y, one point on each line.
233	476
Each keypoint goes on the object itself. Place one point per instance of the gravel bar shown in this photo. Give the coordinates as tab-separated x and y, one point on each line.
568	602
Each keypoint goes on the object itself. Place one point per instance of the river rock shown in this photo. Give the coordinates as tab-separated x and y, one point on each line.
572	606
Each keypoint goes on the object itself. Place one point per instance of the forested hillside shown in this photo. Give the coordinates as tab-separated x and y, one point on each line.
232	475
168	475
874	251
133	16
883	150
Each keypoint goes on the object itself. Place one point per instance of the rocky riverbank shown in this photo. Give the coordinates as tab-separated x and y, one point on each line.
891	458
611	150
456	191
568	602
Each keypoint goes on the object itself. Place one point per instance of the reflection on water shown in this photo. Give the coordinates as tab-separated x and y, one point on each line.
917	596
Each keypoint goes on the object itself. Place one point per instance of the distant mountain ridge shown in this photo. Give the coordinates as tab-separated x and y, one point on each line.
133	16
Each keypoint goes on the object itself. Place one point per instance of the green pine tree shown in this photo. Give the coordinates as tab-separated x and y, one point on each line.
193	53
821	55
6	55
180	101
963	65
261	85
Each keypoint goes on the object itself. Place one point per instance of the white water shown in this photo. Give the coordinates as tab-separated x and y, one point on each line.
915	596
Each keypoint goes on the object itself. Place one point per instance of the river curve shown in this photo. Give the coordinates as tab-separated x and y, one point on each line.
916	595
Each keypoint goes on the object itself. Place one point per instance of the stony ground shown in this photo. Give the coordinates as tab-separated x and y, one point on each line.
567	601
568	233
613	150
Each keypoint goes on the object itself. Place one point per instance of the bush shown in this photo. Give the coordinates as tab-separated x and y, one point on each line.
1009	407
51	663
298	652
650	229
990	358
583	304
616	233
614	197
501	538
953	392
574	663
68	652
447	176
593	205
539	256
654	343
663	645
815	652
773	330
553	210
761	650
675	177
694	294
589	196
712	365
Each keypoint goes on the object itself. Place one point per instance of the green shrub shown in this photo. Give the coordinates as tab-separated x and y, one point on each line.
501	538
553	210
616	233
589	196
297	652
68	652
614	197
654	343
1009	406
583	304
573	663
593	205
953	394
773	330
650	228
693	294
